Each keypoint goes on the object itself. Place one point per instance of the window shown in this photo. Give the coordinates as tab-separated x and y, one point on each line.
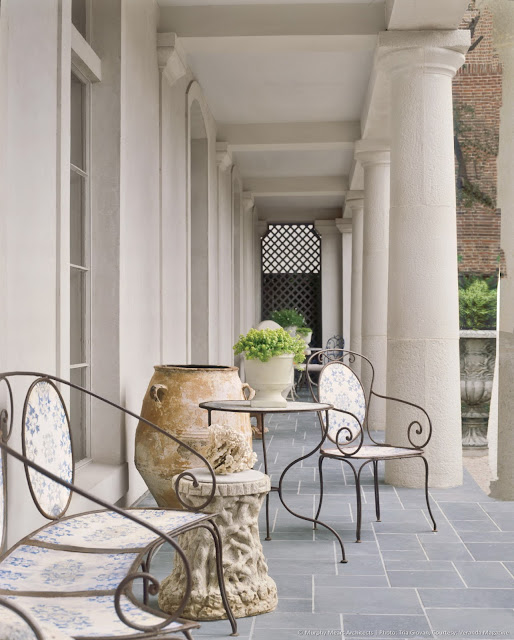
80	260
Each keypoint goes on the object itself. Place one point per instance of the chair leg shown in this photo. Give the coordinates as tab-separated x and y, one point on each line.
377	494
426	493
216	536
320	468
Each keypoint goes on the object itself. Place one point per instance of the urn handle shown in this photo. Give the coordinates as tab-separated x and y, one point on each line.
248	392
157	392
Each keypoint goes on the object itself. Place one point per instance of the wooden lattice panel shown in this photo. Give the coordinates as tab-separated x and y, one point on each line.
291	273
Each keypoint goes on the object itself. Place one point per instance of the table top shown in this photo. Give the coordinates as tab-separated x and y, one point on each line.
243	406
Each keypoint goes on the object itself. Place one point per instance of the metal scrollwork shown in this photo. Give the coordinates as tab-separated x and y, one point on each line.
192	477
153	589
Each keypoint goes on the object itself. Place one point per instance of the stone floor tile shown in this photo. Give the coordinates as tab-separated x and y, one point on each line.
397	541
345	580
290	605
491	551
486	536
461	526
360	565
293	586
369	600
409	555
425	579
418	565
485	574
464	598
450	551
472	623
303	567
462	511
388	626
296	620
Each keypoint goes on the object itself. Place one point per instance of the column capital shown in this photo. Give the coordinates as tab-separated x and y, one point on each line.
354	201
223	156
248	201
326	227
171	58
441	52
344	225
372	152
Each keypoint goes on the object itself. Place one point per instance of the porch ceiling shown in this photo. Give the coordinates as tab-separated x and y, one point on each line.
291	84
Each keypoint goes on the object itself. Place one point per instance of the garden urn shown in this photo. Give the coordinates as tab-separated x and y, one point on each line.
171	402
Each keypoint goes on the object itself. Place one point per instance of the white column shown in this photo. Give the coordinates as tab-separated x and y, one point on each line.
225	314
374	156
423	331
503	488
355	204
248	283
330	278
345	227
262	230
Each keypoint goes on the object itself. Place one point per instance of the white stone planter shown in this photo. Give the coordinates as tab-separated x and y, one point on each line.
291	330
477	356
269	379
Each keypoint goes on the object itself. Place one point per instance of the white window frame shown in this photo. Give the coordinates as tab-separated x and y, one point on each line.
86	66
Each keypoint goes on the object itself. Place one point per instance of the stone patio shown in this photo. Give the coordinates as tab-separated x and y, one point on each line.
402	580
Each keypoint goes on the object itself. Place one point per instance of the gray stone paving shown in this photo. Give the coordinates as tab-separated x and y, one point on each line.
402	580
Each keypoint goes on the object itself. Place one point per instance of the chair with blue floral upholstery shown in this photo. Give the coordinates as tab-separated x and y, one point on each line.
74	576
349	431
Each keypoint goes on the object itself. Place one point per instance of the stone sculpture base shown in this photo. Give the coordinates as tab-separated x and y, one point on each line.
250	590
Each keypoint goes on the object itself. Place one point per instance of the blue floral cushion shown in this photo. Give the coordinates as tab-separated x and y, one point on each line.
12	627
109	530
85	616
47	442
38	569
339	386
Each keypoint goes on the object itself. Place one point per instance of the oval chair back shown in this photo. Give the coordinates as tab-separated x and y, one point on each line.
46	440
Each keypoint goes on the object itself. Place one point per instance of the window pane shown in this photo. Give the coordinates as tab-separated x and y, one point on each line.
77	316
78	16
78	414
77	122
77	219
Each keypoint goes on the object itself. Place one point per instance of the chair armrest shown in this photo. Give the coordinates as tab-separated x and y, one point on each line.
415	423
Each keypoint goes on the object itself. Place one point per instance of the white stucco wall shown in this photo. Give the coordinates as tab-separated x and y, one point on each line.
29	213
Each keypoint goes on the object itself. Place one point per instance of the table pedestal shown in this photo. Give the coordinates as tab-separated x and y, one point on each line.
238	500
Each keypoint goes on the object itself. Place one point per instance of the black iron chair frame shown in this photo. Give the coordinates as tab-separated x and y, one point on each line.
150	584
348	455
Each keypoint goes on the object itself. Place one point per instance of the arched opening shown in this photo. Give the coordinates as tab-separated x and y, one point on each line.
199	202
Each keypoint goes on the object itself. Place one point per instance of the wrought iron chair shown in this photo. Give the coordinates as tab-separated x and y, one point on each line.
349	424
76	572
330	352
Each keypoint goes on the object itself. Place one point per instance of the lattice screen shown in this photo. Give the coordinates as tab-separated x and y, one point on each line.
291	273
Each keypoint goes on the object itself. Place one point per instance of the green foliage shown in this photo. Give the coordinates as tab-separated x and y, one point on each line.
477	304
288	318
303	331
263	344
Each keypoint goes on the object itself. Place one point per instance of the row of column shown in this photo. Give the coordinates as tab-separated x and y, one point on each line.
404	290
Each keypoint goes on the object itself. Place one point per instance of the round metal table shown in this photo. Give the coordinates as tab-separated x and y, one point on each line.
244	406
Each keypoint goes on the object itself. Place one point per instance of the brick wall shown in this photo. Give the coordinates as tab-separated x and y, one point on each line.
477	91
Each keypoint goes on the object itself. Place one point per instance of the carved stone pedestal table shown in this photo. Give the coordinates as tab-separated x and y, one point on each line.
238	500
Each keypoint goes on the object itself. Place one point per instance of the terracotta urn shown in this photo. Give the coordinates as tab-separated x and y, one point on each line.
171	402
